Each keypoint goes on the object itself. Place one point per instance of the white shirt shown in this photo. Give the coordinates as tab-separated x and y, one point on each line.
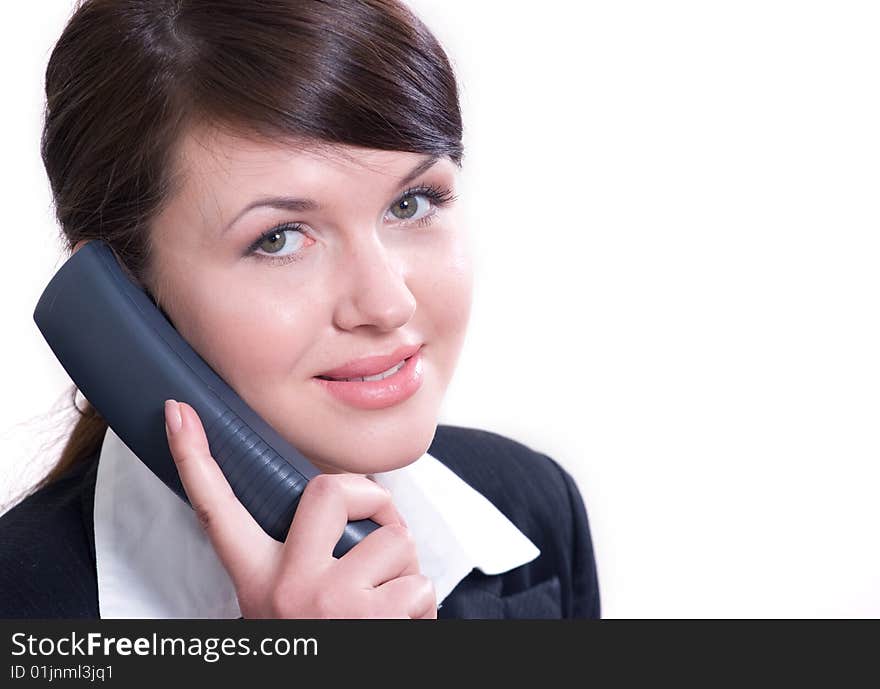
155	561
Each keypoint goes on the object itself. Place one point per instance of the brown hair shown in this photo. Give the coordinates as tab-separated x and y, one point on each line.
127	77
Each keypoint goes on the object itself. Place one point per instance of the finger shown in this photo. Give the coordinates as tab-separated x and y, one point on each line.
240	543
398	516
328	502
385	554
413	595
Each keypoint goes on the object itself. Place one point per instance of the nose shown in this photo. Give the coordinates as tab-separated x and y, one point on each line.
373	289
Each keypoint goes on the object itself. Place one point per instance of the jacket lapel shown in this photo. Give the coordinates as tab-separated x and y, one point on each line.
476	597
479	596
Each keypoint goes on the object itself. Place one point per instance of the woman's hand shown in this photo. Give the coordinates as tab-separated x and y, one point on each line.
300	578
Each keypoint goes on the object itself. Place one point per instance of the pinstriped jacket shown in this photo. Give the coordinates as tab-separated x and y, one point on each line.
47	545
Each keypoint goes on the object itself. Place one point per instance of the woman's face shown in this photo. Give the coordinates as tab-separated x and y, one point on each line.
364	271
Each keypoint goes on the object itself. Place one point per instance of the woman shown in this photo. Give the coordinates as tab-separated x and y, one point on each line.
280	175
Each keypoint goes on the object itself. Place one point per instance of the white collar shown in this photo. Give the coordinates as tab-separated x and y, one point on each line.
155	561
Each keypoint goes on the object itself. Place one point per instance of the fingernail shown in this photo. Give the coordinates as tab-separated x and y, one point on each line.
173	421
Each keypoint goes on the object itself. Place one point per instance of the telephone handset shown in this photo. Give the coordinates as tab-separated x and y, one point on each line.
127	358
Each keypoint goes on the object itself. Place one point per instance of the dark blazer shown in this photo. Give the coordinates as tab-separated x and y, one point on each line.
47	541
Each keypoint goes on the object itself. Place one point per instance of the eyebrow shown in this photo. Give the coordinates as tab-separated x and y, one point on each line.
298	205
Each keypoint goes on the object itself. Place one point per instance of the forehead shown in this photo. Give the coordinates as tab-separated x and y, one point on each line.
213	159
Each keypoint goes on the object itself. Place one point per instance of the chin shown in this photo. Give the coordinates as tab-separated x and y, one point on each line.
380	452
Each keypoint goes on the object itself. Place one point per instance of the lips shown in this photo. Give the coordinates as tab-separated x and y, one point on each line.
384	393
371	365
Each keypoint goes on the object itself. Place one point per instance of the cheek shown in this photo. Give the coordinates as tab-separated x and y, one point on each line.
445	294
248	336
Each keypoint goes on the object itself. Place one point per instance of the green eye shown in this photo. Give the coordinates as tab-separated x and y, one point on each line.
273	242
407	207
420	211
280	242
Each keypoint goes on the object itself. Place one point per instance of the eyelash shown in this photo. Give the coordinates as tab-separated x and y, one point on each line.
439	197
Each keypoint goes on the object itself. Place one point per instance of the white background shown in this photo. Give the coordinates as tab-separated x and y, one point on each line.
675	209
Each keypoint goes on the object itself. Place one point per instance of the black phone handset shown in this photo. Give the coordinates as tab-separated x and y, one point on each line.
127	358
